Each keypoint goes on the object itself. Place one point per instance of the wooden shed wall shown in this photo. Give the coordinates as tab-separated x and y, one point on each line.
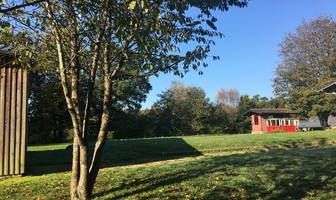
13	117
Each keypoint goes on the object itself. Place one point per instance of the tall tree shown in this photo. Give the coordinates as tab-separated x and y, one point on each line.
228	97
116	40
227	102
181	110
244	122
308	64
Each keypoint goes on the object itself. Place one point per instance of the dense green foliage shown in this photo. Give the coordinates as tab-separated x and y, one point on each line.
49	120
308	64
181	110
273	173
185	110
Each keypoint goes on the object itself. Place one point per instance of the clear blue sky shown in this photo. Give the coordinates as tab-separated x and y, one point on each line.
249	50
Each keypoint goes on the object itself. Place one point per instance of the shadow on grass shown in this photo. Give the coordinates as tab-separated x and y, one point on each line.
277	174
116	153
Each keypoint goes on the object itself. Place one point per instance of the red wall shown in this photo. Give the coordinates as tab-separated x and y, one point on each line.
259	127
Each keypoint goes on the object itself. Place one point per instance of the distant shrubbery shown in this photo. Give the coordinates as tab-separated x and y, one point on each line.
180	110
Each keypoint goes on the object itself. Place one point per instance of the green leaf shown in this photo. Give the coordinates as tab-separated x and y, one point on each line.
194	23
151	67
131	5
211	24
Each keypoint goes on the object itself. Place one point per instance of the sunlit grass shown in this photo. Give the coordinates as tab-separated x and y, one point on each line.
48	147
251	167
246	140
135	151
280	174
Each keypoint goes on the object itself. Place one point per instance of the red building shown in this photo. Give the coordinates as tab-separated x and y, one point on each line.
273	119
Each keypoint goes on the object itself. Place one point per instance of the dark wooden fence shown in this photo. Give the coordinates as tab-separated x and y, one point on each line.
13	116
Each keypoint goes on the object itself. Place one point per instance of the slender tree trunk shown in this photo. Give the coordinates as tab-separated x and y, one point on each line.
84	188
82	182
71	97
100	143
79	171
63	75
75	168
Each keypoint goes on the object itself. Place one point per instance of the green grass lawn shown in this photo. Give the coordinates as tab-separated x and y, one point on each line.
267	166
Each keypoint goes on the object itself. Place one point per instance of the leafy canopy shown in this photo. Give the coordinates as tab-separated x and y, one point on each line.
308	64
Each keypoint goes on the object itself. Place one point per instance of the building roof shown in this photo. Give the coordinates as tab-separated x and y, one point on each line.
329	89
260	111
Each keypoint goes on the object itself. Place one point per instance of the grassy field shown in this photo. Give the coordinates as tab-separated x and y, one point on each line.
267	166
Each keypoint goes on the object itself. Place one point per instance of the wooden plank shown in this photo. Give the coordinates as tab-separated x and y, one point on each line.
7	120
12	123
24	119
13	118
2	118
18	122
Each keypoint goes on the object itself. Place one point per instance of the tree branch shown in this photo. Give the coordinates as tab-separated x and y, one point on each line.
4	11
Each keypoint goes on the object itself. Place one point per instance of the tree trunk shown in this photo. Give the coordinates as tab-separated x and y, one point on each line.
75	169
100	143
82	182
323	118
78	178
